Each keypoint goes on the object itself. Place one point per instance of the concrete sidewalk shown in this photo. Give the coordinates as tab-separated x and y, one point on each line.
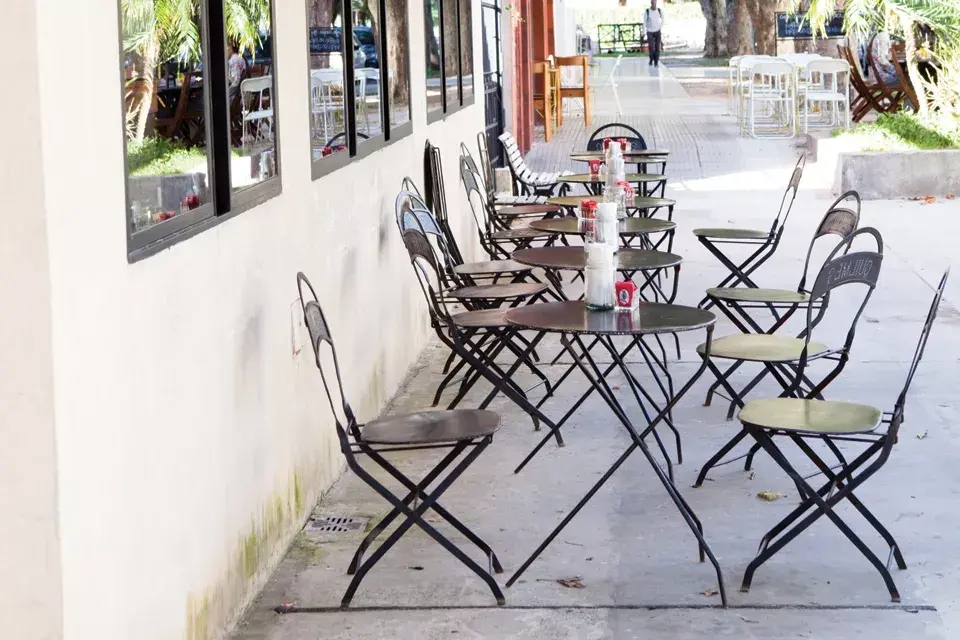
633	553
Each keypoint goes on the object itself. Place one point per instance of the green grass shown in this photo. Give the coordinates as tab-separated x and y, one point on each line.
164	157
901	131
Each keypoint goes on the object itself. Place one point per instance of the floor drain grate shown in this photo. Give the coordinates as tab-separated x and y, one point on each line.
338	524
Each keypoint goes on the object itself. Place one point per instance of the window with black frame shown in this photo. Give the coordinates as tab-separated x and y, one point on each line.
448	25
359	85
200	115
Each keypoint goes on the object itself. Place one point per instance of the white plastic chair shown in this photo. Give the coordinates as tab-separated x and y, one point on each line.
611	83
772	95
253	101
742	85
325	105
363	80
827	84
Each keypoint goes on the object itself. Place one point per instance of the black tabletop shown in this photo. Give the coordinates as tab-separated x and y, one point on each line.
630	227
574	317
574	259
639	202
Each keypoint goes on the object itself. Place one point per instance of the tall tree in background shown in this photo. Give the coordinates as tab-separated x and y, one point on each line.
396	53
763	18
739	36
715	37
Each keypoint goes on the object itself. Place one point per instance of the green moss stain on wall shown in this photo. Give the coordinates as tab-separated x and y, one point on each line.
281	515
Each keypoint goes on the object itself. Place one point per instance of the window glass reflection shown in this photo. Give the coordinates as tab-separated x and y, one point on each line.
398	55
434	66
451	54
466	48
366	51
327	97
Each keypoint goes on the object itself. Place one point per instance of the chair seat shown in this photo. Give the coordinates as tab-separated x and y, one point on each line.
732	234
761	347
749	294
431	427
821	417
498	291
511	200
826	95
480	319
263	114
490	268
524	233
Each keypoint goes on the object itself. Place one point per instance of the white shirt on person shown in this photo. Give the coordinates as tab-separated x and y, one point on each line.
653	19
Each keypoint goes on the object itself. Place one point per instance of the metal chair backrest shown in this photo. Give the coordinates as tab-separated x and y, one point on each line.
595	143
466	155
841	268
427	271
437	187
320	335
489	175
481	213
918	353
837	221
410	207
789	196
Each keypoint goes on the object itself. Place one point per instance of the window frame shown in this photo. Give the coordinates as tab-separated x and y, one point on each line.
388	135
225	203
445	109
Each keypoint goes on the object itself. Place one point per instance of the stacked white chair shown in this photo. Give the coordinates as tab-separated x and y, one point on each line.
771	99
827	85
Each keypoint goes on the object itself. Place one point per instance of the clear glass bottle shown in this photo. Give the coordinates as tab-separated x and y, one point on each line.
599	276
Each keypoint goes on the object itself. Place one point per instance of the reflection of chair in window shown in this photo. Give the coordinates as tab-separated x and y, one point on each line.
366	79
257	107
326	97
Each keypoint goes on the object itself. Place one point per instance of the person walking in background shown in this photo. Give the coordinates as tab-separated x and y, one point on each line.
653	22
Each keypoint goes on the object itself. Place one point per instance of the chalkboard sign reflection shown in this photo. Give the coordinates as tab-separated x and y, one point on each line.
325	40
795	26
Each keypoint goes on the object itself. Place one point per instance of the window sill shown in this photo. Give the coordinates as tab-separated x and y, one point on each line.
437	115
331	164
243	201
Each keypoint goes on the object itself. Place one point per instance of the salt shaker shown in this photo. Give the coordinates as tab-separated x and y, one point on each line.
608	227
599	276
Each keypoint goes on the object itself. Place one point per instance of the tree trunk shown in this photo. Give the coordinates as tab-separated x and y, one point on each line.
397	53
710	32
146	67
434	54
739	40
322	16
720	25
764	25
913	71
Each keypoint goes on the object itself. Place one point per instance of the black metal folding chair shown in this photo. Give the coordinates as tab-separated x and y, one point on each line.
804	419
765	241
466	433
525	181
617	130
781	357
475	337
737	302
497	242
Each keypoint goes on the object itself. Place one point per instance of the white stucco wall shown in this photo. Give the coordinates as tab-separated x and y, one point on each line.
29	546
191	443
564	28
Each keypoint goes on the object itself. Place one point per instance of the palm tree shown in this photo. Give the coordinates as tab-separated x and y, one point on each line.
903	16
157	31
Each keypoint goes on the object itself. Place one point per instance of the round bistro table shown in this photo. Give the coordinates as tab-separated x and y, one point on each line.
574	322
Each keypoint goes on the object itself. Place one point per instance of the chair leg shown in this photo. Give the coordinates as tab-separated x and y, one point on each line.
415	517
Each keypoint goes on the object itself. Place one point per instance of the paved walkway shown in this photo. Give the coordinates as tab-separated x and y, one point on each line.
629	547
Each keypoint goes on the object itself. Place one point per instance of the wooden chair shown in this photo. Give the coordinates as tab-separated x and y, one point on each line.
869	96
894	93
582	92
543	102
898	52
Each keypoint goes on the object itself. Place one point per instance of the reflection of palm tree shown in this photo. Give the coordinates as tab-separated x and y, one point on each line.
157	31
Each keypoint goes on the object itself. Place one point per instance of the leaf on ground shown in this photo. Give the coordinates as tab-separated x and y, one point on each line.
949	196
590	558
769	496
571	583
929	199
753	474
415	567
922	436
710	592
286	607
